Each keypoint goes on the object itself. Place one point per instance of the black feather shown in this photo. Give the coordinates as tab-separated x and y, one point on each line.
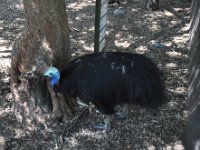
110	78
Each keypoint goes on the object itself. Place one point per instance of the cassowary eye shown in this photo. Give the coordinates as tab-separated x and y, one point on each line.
51	74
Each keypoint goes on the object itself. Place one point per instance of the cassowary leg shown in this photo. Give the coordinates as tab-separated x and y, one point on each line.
107	122
55	104
106	126
124	113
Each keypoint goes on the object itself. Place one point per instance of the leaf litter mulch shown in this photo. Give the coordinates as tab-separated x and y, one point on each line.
161	35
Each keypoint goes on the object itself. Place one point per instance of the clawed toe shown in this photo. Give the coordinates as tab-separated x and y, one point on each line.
102	127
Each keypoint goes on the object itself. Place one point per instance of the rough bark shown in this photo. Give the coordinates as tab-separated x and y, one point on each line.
151	5
44	42
192	134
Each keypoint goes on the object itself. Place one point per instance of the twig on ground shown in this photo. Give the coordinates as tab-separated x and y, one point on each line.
67	130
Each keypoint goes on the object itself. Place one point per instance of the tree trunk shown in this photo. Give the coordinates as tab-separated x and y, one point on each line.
151	5
192	134
45	42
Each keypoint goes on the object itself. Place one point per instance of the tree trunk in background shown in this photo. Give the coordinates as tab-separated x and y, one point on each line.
45	42
192	134
151	5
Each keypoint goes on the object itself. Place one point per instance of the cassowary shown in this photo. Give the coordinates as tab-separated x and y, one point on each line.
107	79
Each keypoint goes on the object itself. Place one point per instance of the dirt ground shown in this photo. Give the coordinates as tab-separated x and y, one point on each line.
161	35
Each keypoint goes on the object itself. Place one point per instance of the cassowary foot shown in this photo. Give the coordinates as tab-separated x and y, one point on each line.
104	127
124	113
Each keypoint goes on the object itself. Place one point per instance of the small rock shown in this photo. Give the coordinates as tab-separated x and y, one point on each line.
119	11
158	45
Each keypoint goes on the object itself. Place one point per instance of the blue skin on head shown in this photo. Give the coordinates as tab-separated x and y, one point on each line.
54	74
54	80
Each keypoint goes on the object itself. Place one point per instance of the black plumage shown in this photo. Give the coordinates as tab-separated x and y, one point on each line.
108	79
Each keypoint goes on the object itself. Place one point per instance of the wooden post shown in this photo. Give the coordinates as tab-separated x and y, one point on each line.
100	25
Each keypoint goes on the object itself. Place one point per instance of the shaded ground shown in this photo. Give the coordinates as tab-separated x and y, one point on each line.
161	35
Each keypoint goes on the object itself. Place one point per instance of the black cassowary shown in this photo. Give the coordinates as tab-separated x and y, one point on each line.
108	79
